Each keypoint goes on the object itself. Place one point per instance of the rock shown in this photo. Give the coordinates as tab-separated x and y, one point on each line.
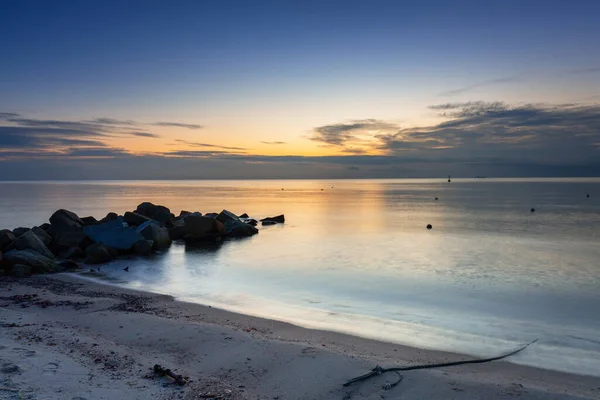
45	226
429	226
249	221
74	253
135	219
244	215
19	231
234	226
159	235
6	238
143	248
186	213
30	241
37	262
21	270
211	215
64	220
280	219
87	221
198	228
69	264
266	223
42	234
111	216
68	239
113	234
97	253
160	214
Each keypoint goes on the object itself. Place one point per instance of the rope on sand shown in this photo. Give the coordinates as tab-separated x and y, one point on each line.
379	370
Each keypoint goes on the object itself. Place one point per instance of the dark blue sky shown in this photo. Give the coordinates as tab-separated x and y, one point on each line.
257	73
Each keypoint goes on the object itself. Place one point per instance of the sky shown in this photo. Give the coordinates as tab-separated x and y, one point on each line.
298	89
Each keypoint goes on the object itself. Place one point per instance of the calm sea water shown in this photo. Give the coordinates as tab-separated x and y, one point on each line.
356	257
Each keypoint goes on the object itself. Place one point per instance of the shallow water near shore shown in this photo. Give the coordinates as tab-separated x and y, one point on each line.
356	257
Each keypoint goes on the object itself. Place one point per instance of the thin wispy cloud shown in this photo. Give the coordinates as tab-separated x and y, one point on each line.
178	125
273	143
343	133
216	146
478	85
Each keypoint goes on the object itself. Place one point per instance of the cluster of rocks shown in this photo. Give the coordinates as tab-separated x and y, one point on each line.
68	239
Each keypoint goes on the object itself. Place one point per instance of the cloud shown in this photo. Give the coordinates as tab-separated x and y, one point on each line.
478	85
344	133
5	115
112	121
196	144
178	125
273	143
143	134
97	152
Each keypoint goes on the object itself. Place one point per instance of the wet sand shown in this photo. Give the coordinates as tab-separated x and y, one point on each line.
63	337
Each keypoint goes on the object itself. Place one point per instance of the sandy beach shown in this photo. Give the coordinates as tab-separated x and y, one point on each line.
63	337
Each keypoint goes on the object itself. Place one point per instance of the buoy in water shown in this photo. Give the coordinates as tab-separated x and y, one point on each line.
533	210
436	198
429	226
587	195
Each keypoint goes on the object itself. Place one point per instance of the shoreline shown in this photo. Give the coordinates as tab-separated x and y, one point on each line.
111	336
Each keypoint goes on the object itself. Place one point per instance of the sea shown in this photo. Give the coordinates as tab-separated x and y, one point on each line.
507	261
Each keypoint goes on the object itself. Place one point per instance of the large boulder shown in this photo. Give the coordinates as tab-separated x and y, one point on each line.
64	220
19	231
199	228
157	234
68	239
111	216
160	214
37	262
114	234
74	253
42	234
280	219
89	221
30	241
6	238
234	226
143	248
135	219
97	253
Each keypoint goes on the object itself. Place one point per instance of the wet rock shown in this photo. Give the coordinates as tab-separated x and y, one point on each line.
234	226
42	234
89	221
143	248
280	219
21	270
211	215
267	223
6	238
249	221
73	253
113	234
186	213
159	235
135	219
97	253
37	262
19	231
45	226
64	220
244	215
160	214
198	228
30	241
